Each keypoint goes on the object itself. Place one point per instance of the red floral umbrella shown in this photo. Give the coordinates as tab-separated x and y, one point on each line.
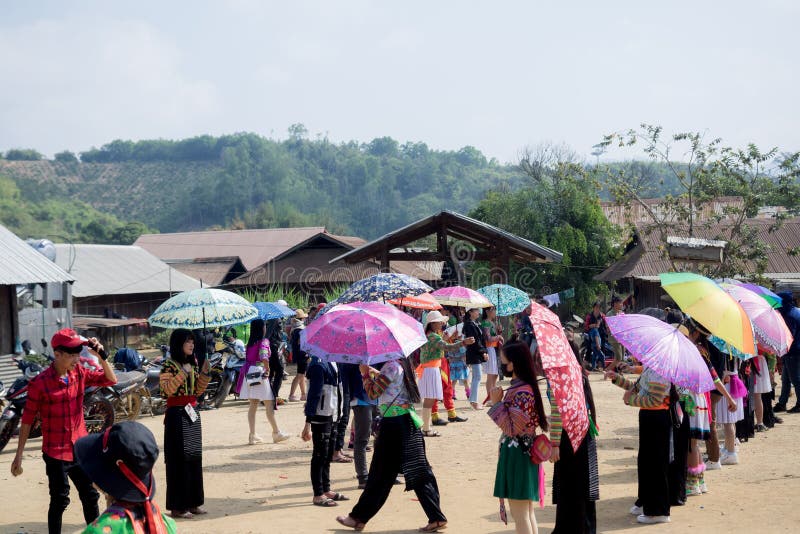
563	372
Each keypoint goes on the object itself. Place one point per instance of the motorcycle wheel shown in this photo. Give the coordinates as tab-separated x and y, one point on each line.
98	413
223	392
134	402
7	428
208	398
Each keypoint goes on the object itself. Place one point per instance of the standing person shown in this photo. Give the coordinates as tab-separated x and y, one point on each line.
323	409
274	333
762	385
791	360
56	397
616	346
430	363
233	339
399	448
576	483
448	391
258	390
728	419
593	324
518	413
363	409
651	395
456	359
181	384
120	463
524	326
492	339
339	455
476	353
299	356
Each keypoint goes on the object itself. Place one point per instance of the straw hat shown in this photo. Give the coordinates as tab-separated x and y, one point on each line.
435	317
300	313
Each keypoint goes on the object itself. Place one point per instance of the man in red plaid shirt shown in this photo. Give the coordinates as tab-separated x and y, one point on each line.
56	396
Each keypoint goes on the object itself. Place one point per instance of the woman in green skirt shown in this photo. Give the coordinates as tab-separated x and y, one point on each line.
518	412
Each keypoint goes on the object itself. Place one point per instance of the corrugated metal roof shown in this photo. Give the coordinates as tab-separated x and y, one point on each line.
119	270
21	264
646	258
253	247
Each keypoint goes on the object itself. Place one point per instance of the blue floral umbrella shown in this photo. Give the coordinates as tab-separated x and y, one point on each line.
507	299
273	310
383	287
203	308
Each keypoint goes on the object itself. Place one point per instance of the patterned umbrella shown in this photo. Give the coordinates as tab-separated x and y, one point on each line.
729	349
462	297
382	287
662	348
203	308
563	372
705	301
273	310
768	325
507	299
773	299
362	332
423	301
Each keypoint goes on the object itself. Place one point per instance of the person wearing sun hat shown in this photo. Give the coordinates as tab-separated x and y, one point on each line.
120	463
56	397
299	356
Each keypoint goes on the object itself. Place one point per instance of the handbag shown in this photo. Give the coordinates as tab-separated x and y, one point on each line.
541	449
255	375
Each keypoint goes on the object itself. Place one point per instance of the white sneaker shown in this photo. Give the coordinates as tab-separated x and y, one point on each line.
637	510
703	487
277	437
713	466
693	490
730	458
652	519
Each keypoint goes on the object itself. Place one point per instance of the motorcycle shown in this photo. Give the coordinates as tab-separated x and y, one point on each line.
153	402
210	398
126	395
98	413
233	366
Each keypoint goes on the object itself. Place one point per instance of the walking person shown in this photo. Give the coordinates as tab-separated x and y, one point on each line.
399	448
429	370
323	409
299	356
518	413
492	339
476	353
120	463
181	383
55	396
257	388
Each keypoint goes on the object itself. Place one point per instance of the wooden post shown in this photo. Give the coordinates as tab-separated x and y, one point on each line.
385	258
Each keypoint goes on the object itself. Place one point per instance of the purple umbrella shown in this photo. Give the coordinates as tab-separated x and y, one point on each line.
662	348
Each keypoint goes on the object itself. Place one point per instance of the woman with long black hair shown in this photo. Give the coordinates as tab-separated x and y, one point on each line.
399	448
518	412
181	384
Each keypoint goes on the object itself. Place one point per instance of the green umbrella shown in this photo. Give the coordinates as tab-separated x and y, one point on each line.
203	308
507	299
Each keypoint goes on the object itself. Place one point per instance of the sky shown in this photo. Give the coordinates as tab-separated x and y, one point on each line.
498	76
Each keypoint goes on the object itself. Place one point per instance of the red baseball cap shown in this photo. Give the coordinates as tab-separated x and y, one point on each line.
67	337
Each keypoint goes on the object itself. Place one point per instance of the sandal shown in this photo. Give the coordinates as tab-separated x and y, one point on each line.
349	522
339	497
434	527
185	514
342	459
430	434
198	511
325	503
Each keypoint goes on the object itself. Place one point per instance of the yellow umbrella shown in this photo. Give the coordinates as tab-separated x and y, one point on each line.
708	304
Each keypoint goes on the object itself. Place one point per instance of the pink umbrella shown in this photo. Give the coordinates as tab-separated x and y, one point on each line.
563	372
461	296
769	327
362	332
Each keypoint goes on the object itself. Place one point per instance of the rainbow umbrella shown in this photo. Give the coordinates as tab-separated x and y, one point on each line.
662	348
773	299
563	373
463	297
768	325
707	303
362	332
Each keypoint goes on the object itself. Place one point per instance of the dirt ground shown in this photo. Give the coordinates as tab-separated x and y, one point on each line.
266	488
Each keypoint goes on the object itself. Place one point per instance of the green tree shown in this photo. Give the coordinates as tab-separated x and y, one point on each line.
66	157
23	154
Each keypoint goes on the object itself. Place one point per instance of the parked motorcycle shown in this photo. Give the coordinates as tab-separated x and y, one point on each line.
233	366
210	398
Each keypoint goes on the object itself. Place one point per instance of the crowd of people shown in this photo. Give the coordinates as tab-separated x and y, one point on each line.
462	345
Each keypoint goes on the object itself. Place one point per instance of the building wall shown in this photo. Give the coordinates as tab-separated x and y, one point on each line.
137	305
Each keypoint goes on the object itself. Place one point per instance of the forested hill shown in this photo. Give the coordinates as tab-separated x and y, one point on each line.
249	181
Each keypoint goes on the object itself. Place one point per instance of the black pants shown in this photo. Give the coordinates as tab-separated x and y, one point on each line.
653	461
57	473
576	513
769	415
386	464
344	420
677	468
183	456
276	369
323	436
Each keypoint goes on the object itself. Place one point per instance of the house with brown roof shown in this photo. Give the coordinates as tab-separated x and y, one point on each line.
649	252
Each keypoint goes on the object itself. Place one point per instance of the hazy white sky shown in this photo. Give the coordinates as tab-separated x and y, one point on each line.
495	75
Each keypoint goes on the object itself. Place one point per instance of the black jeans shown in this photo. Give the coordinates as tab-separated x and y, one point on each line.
344	420
653	461
276	369
677	468
386	465
323	436
57	473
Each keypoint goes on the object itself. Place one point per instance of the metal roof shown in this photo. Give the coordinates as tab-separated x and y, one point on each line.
460	227
212	271
119	270
253	247
21	264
